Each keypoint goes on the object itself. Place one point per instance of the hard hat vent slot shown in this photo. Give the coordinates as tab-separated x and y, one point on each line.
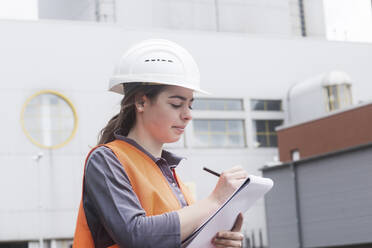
163	60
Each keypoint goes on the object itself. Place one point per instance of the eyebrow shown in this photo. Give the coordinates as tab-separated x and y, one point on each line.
181	97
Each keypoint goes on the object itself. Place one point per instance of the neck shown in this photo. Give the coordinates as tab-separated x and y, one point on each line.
144	140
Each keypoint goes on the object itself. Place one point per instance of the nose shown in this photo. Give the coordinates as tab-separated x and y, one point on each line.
186	114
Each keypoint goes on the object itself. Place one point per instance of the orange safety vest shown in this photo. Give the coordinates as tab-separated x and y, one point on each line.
147	180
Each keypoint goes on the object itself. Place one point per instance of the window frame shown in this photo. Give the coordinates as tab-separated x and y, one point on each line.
346	99
67	101
241	100
270	134
244	133
265	102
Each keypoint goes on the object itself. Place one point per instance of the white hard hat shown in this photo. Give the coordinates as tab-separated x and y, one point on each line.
156	61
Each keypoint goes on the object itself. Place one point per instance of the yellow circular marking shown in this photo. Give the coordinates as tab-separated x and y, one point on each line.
69	104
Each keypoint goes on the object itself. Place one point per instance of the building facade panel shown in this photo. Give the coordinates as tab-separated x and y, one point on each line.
336	199
280	205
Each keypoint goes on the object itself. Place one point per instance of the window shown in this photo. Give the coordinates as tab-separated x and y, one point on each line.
219	133
49	119
266	105
338	96
14	245
295	155
265	132
217	104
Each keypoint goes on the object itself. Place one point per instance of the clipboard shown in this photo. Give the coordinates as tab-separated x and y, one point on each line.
240	201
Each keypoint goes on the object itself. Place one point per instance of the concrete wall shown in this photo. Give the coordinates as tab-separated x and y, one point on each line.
315	18
82	10
227	16
253	16
279	17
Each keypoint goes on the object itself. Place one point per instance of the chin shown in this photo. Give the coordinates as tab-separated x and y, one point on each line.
172	139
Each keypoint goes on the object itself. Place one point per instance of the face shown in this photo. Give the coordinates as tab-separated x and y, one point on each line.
166	117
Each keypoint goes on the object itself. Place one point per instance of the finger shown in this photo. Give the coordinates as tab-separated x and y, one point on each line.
238	223
221	242
237	182
239	174
235	168
229	235
229	245
242	174
226	243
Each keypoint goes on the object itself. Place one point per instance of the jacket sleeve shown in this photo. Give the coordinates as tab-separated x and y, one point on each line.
119	210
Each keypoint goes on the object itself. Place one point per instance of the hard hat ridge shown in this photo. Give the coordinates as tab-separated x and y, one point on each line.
156	61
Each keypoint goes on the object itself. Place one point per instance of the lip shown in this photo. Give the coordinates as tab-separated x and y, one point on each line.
179	129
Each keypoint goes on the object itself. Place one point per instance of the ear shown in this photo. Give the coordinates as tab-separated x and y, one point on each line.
140	102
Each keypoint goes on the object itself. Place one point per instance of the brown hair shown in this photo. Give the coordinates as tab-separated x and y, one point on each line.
123	122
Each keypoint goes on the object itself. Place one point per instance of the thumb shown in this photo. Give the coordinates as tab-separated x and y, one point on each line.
238	223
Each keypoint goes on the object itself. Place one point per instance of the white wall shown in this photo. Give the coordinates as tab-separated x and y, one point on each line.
332	19
315	19
253	16
228	16
83	10
77	60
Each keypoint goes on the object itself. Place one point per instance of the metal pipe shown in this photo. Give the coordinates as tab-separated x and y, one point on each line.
297	205
217	12
261	238
97	11
302	17
37	158
114	11
253	240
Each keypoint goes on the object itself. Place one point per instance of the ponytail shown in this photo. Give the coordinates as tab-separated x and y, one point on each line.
124	121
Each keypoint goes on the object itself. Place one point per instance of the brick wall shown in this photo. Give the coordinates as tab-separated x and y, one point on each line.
339	131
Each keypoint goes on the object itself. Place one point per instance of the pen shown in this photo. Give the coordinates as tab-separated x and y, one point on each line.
210	171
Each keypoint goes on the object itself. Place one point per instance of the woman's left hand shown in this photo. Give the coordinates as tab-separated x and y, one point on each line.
233	238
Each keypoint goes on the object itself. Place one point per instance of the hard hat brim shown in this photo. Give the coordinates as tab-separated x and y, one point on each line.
116	84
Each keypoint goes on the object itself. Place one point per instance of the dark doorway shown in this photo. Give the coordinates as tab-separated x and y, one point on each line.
14	245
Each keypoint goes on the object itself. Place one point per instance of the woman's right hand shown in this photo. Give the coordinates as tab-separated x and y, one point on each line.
191	217
229	181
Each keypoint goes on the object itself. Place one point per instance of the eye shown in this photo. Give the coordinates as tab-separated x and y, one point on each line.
190	107
175	105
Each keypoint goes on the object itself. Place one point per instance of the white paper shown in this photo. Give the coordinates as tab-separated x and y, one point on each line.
223	219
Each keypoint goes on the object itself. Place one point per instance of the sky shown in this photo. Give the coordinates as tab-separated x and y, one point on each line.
349	20
19	9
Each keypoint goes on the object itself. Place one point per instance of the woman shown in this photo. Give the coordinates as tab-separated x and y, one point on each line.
132	196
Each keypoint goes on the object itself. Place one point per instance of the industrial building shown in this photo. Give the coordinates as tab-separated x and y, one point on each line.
54	97
322	195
